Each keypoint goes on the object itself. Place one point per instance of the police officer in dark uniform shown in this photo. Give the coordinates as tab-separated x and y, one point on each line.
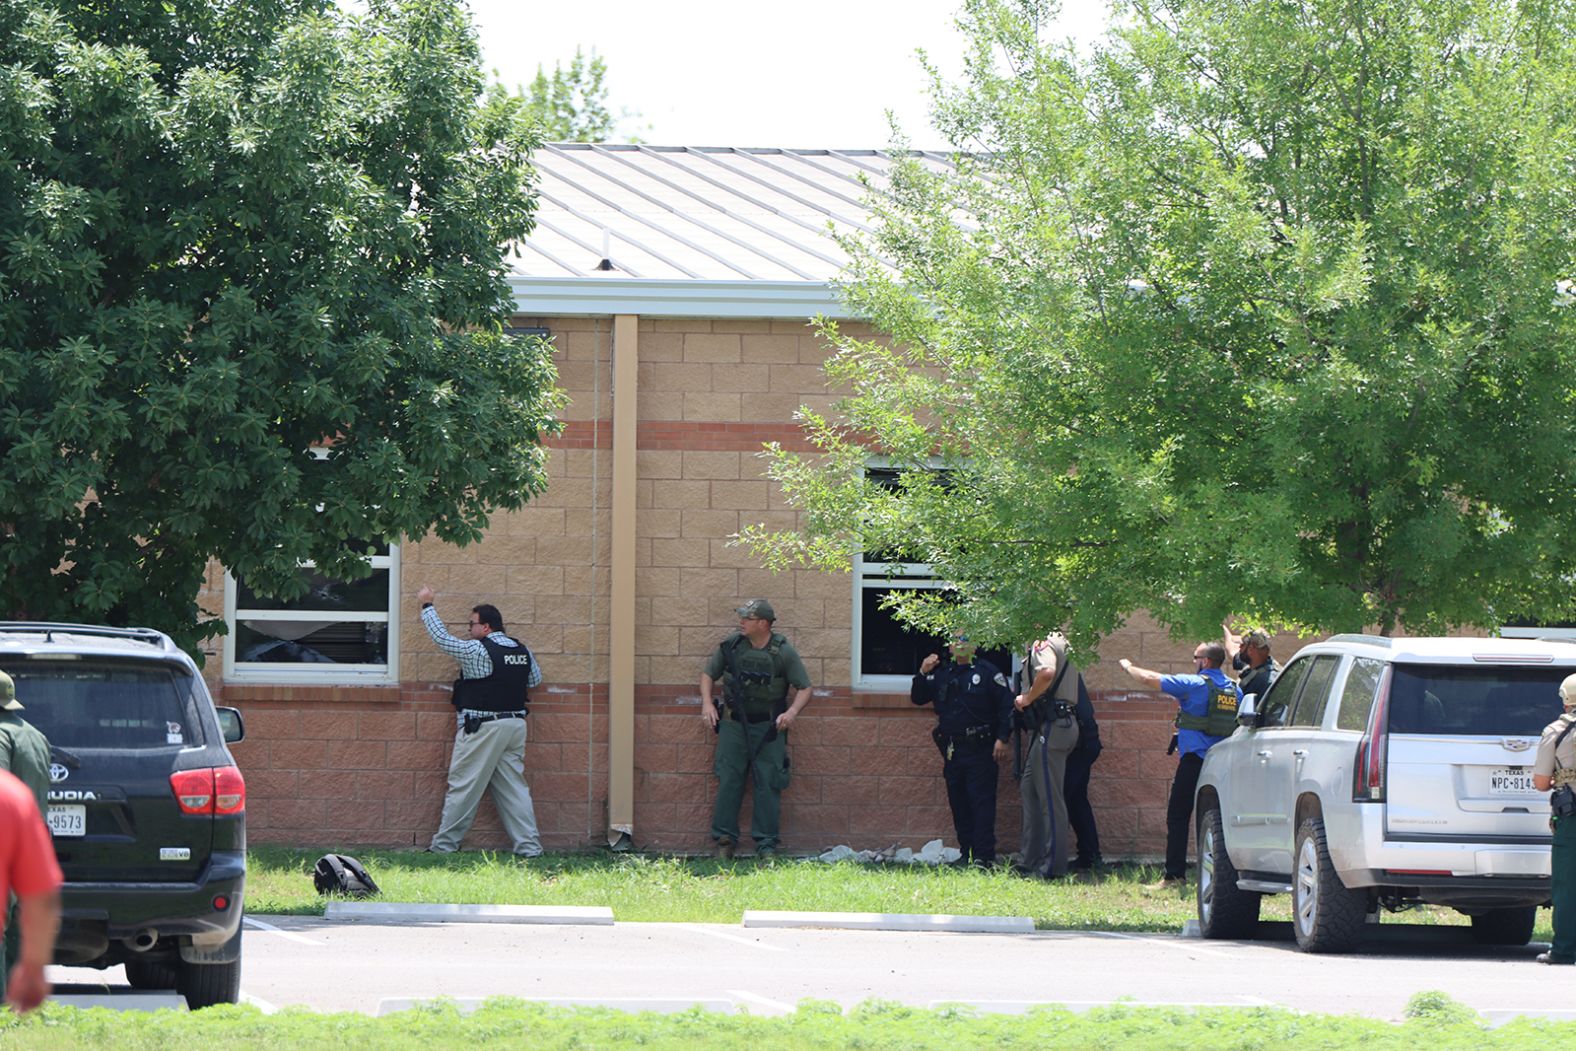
1555	767
973	725
1250	659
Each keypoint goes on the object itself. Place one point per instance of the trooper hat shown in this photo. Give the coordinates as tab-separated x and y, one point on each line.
1568	691
757	607
8	701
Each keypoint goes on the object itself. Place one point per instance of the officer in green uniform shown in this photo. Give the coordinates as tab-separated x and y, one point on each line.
24	751
755	667
1555	767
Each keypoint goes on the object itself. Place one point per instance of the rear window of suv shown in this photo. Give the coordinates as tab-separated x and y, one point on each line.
125	705
1496	701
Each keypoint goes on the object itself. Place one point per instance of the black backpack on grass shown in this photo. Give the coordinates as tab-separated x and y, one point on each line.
342	874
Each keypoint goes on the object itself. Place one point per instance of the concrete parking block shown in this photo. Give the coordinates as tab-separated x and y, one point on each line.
890	921
410	912
123	1000
667	1006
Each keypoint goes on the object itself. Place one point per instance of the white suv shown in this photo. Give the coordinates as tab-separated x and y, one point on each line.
1383	772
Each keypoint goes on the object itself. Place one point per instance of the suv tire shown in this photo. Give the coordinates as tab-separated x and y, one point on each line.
1505	926
1224	910
151	974
206	984
1325	915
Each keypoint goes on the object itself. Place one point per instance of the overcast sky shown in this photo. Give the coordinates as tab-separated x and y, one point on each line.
807	74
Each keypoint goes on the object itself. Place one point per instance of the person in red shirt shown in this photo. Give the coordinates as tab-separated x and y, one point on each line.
28	867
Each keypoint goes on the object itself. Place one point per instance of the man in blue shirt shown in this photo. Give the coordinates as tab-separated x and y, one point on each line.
1207	713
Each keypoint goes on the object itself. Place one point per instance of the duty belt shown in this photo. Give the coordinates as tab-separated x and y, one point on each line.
973	735
751	719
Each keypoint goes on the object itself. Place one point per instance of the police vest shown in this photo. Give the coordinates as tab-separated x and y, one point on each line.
507	689
1220	714
757	679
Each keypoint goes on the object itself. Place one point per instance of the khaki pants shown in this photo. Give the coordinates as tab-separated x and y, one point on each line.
493	756
1042	845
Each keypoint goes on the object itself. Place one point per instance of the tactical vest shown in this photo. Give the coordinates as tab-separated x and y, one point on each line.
1563	775
1220	715
757	679
507	689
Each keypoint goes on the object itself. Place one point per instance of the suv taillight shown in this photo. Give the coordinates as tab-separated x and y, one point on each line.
1368	777
209	790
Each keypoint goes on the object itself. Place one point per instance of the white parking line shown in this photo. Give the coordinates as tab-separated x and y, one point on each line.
725	936
1187	946
750	998
299	939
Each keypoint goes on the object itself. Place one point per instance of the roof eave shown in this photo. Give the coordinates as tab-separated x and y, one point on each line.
687	298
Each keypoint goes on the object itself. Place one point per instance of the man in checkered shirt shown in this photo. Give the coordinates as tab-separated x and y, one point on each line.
489	740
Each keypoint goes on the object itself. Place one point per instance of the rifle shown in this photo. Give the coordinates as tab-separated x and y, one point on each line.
1035	715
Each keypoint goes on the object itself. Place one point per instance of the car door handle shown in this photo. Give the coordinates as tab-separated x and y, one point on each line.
1264	754
1300	753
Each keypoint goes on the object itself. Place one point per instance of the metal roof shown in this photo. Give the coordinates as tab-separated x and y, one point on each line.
688	231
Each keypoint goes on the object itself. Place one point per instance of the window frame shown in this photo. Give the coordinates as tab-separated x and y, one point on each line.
312	672
885	576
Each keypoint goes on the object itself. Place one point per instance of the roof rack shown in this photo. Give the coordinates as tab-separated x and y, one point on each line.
49	628
1367	640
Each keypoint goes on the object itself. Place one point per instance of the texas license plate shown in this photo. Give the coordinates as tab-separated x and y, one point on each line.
67	821
1511	781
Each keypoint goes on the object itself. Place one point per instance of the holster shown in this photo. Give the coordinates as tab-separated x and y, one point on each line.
1562	802
941	740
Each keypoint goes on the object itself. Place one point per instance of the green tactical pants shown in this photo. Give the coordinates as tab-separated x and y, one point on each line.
1563	859
735	742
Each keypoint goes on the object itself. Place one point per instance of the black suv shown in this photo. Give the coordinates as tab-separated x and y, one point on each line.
147	807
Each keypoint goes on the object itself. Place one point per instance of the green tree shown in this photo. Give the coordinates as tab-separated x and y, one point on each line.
230	233
1256	308
570	105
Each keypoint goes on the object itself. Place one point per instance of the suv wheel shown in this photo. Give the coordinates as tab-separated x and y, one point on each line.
206	984
1505	926
1326	916
151	974
1224	910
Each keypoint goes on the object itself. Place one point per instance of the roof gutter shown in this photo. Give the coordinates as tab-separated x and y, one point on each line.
687	298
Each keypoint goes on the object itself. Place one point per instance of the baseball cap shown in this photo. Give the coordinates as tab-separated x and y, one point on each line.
1568	691
8	701
1258	638
757	607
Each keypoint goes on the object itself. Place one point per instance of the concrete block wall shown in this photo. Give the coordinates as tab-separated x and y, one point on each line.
366	765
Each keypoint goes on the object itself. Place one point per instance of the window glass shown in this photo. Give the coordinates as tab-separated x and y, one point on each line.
336	630
1315	691
1276	704
887	647
1494	700
126	705
1357	697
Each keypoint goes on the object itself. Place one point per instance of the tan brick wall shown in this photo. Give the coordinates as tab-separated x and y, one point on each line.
342	765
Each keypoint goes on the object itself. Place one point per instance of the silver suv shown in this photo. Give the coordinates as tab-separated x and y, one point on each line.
1384	773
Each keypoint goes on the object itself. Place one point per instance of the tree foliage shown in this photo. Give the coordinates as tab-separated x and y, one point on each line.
230	233
570	105
1257	308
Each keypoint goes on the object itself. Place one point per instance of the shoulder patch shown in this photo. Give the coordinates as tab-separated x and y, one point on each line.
1001	680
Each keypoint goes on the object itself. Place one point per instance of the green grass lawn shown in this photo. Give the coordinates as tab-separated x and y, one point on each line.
1433	1021
641	887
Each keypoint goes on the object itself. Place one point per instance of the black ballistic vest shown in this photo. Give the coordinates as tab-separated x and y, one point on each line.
506	689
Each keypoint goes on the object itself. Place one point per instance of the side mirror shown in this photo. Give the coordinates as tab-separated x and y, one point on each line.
231	725
1248	711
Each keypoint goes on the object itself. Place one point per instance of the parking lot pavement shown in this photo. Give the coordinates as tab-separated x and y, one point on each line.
380	968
